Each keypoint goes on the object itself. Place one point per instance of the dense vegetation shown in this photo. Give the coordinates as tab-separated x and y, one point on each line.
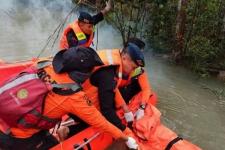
192	32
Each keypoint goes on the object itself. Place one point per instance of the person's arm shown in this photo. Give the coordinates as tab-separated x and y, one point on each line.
107	8
145	87
100	16
72	39
80	106
120	102
104	80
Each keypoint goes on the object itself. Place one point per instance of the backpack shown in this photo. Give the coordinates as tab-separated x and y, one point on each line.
22	99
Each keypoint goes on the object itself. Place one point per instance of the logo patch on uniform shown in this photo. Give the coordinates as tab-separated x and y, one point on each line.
22	94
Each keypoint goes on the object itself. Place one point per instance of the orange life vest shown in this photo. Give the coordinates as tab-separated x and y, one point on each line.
109	58
81	37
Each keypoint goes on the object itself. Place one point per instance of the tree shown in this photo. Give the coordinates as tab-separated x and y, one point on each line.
129	17
178	52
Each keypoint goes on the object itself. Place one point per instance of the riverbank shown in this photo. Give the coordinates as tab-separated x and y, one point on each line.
213	72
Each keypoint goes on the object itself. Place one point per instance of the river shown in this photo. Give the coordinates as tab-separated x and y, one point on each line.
191	106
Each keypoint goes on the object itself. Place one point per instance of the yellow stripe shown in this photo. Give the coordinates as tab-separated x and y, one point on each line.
136	72
80	36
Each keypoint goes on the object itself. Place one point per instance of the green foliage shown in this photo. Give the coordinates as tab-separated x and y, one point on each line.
159	45
202	42
160	33
130	18
204	35
201	54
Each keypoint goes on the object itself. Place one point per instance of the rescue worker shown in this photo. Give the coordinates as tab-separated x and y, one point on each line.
81	31
105	82
67	67
138	82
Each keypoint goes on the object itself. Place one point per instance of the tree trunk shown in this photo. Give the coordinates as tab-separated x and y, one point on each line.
177	52
223	26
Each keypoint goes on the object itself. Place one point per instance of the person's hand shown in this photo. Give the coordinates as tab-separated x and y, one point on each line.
62	132
139	113
108	6
129	117
131	143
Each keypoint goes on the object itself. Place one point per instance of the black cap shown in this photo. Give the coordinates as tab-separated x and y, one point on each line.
86	18
136	41
136	54
76	59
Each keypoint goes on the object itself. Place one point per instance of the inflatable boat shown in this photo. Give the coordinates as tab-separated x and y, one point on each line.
161	138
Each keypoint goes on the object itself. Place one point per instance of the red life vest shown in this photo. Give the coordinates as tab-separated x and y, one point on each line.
81	37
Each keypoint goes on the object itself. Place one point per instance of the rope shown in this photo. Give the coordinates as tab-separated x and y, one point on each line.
58	30
88	141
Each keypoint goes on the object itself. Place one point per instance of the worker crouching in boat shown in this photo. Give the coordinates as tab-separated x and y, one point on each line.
105	84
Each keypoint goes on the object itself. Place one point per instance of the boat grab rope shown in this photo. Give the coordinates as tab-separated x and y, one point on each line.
87	141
